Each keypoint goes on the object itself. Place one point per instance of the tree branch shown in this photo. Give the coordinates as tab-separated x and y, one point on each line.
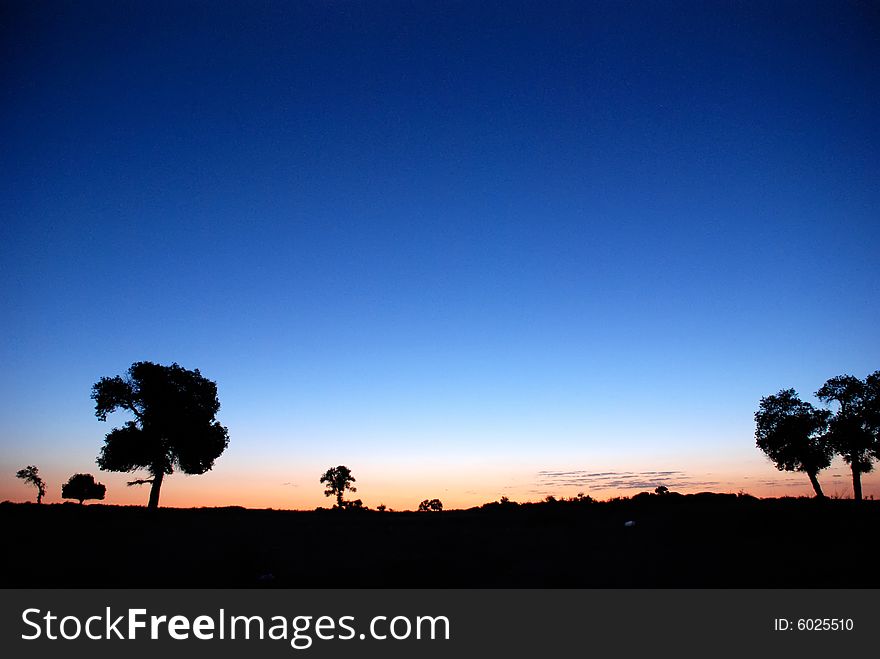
140	481
134	410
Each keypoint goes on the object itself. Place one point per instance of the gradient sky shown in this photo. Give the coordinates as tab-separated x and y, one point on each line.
467	249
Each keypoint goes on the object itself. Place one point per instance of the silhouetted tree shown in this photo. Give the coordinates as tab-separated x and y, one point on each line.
31	475
432	505
853	430
661	490
82	487
872	409
791	433
337	480
381	507
174	424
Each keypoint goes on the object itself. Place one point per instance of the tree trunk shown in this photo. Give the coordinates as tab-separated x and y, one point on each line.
154	489
857	483
39	497
339	500
814	480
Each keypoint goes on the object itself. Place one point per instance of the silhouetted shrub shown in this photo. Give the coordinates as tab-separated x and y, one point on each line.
357	504
504	503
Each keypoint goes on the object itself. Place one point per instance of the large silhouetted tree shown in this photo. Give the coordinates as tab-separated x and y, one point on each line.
31	475
173	427
853	430
336	481
81	487
791	433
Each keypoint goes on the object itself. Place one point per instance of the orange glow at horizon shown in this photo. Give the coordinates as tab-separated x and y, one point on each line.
403	490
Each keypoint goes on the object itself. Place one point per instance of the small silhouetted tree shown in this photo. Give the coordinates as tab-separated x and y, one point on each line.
432	505
81	487
661	490
853	430
791	433
336	481
381	507
173	427
31	475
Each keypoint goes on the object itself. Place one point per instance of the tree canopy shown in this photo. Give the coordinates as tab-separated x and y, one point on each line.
81	487
431	505
337	480
174	425
31	475
791	433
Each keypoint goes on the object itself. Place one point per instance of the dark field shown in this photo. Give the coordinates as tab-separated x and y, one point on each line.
677	541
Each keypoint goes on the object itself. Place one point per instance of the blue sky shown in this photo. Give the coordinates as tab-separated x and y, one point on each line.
422	236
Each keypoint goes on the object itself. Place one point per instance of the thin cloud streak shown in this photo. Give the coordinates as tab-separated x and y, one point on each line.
619	480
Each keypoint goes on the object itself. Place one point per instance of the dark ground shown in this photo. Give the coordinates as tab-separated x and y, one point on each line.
677	541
